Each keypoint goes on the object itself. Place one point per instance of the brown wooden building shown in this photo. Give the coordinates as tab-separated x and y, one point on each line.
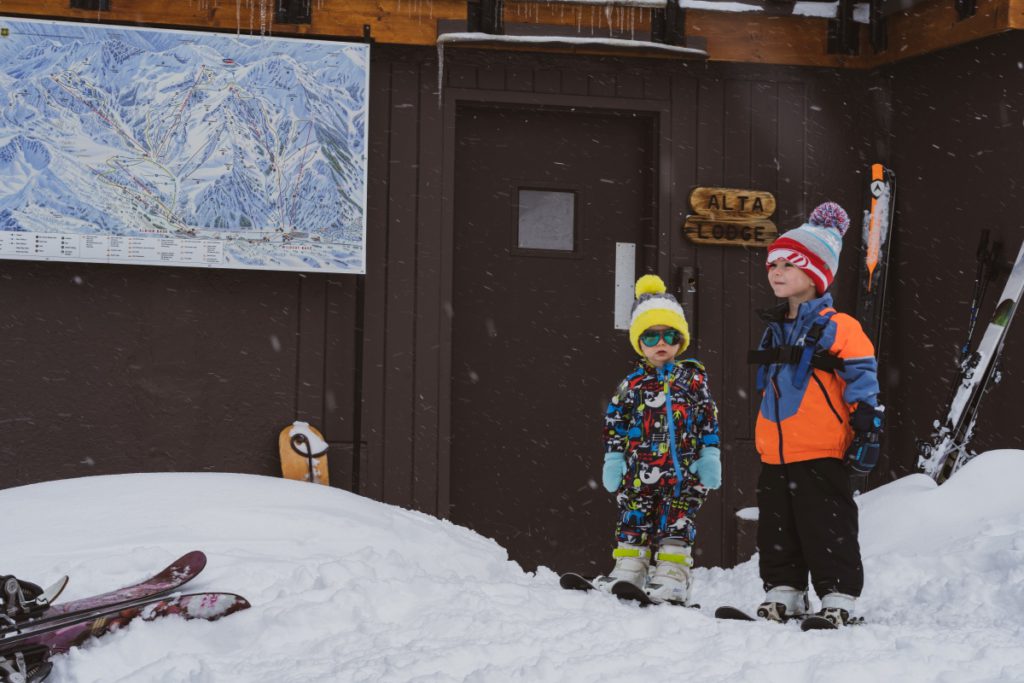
466	373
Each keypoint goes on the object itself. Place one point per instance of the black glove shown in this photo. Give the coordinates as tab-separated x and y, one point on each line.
866	420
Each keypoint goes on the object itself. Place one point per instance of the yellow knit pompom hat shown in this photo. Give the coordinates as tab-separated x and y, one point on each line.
654	306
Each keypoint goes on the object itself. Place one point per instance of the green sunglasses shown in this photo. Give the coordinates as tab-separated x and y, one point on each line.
652	337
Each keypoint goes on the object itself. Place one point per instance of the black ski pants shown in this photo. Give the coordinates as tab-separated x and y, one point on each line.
808	523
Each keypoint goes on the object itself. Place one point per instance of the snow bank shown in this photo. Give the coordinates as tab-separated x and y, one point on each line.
348	589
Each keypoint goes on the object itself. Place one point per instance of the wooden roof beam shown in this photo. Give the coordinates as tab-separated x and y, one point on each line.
730	37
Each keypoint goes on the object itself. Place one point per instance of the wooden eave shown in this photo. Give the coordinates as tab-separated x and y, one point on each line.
727	36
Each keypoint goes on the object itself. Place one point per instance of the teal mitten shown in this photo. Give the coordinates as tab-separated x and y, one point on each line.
708	467
614	468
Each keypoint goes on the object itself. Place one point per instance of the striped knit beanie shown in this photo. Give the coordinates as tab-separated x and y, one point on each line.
654	306
814	247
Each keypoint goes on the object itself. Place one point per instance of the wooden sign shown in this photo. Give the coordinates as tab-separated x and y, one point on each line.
750	233
725	203
730	217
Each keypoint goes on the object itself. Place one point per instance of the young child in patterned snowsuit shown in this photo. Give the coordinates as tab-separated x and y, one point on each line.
661	450
818	378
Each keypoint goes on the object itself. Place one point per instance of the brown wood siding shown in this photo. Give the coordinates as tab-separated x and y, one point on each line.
957	153
112	369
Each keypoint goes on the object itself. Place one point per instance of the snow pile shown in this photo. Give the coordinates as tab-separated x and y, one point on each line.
348	589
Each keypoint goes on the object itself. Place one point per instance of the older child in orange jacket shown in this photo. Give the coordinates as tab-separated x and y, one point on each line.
819	384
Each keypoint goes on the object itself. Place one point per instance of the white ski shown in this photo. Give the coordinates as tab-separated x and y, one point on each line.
947	451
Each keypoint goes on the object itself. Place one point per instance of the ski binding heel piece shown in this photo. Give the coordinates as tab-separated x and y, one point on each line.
772	611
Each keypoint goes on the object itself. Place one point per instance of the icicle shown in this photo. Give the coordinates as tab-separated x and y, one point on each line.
608	17
440	74
238	17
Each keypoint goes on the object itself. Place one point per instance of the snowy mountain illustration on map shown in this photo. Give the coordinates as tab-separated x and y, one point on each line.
256	143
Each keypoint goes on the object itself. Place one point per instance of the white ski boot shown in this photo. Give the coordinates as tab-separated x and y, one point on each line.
671	580
783	603
631	563
837	608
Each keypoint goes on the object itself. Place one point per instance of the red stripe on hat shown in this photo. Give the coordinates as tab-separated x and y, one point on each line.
819	265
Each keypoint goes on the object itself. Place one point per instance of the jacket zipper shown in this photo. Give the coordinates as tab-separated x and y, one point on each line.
671	431
827	399
778	419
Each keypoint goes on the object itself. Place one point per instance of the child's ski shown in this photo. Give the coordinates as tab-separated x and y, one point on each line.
575	582
23	657
816	622
877	233
733	613
23	618
947	452
624	590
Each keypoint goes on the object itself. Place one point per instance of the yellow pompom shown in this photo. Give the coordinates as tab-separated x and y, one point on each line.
649	284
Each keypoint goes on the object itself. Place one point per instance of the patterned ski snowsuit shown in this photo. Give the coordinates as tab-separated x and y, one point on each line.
659	496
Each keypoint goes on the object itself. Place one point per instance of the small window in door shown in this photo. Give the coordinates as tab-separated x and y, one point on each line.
546	220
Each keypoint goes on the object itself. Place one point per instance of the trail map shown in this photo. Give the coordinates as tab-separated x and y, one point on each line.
158	147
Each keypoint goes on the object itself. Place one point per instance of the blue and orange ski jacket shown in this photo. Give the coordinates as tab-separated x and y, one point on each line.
805	410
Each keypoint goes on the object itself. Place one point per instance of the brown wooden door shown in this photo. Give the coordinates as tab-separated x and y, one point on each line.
535	353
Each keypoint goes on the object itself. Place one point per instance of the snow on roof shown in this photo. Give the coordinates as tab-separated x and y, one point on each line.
823	10
616	43
806	8
826	10
618	3
717	6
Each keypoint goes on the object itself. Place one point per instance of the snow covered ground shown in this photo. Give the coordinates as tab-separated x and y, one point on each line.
348	589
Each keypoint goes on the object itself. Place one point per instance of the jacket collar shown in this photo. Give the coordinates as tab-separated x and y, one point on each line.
668	370
808	310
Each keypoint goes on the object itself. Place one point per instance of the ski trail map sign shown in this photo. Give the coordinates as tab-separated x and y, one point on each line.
176	148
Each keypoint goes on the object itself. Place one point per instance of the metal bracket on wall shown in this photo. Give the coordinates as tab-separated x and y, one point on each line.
94	5
686	291
966	9
668	25
843	31
293	11
485	16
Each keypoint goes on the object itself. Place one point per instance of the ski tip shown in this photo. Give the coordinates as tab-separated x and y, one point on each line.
195	559
816	623
732	613
624	590
573	581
